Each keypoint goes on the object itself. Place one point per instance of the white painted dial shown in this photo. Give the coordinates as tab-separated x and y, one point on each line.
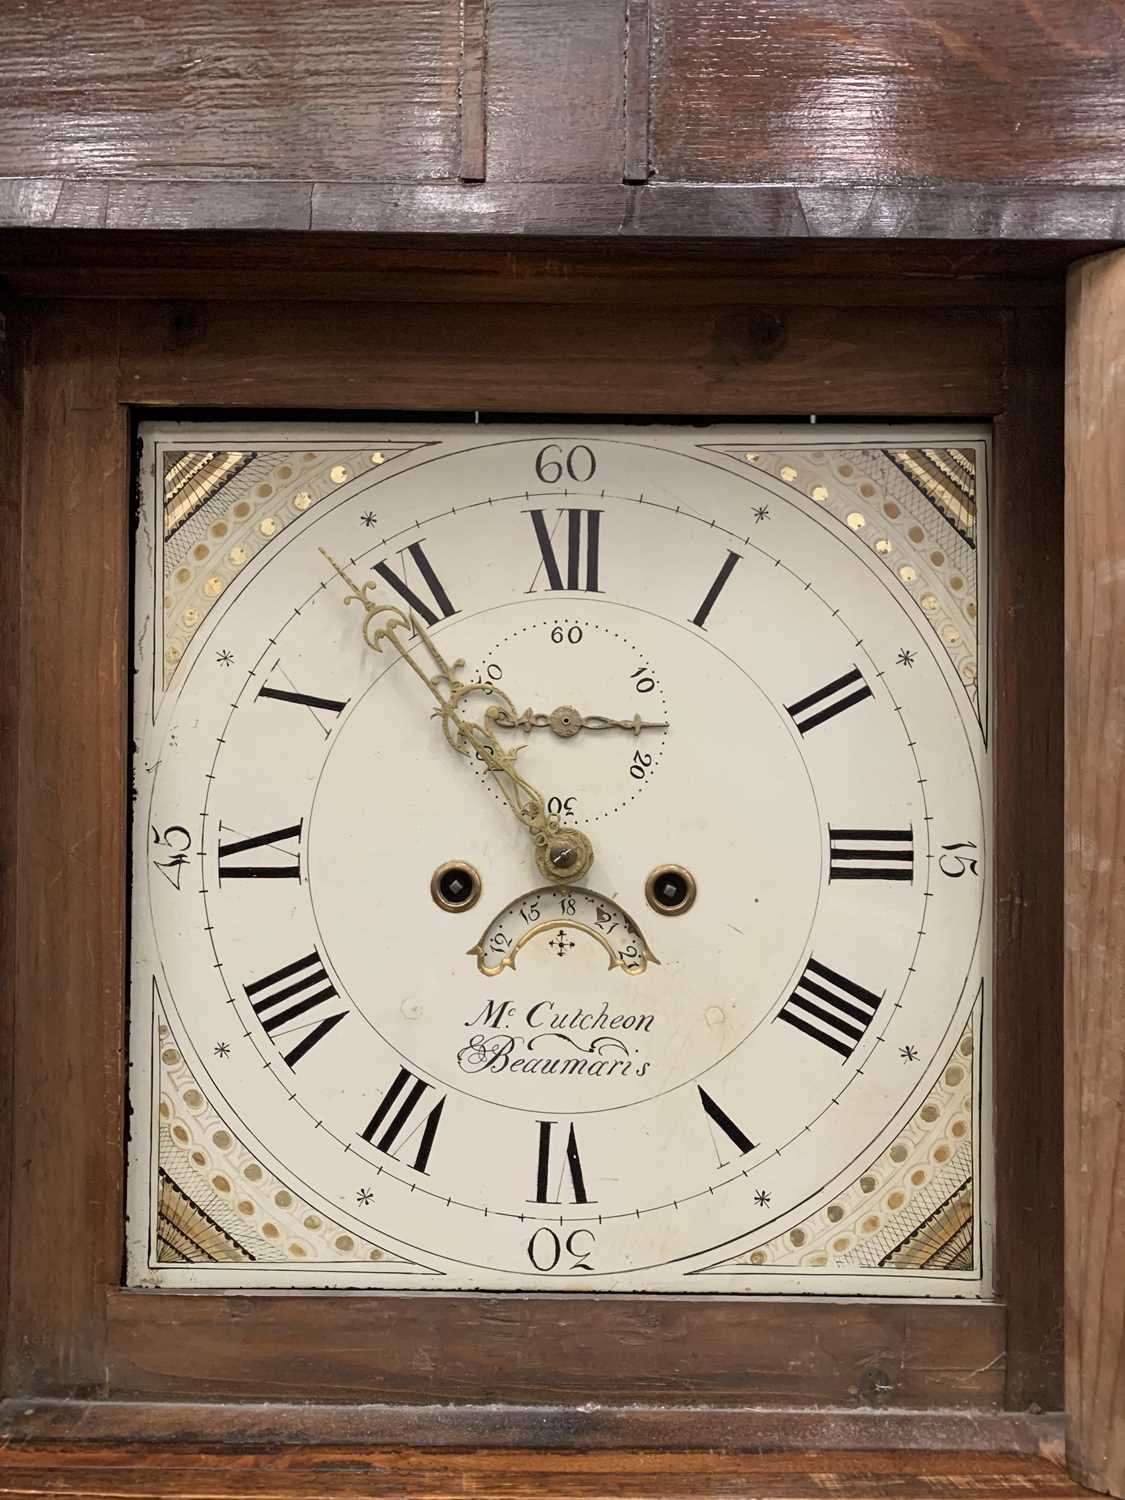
565	1085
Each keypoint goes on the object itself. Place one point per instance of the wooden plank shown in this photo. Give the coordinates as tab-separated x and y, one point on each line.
637	77
474	135
71	818
171	1345
609	210
923	92
1027	589
12	335
719	361
1095	892
555	90
351	267
193	91
562	1428
134	1469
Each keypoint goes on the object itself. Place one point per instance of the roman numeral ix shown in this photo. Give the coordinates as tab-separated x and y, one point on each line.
571	1165
833	1010
230	869
576	554
424	610
829	701
290	993
870	853
398	1120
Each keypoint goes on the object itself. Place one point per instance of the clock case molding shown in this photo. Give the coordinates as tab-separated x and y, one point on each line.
687	336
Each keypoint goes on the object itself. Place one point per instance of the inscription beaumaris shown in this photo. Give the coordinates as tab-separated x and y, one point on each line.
500	1049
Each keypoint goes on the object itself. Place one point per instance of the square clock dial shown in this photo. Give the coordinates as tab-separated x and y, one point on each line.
561	859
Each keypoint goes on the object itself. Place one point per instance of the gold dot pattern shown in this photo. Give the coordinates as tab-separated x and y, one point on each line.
210	1179
930	1162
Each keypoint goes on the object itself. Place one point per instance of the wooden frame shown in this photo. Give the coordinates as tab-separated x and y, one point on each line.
73	1331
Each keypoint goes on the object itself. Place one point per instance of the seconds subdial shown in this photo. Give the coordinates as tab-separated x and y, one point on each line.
600	701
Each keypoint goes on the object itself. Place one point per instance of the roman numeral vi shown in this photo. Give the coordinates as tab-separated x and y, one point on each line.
572	1166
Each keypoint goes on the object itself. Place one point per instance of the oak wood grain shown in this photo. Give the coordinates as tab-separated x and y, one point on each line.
12	331
718	361
254	267
611	210
584	1427
417	1349
638	65
555	90
199	91
924	92
474	63
1027	593
1095	890
136	1470
68	1080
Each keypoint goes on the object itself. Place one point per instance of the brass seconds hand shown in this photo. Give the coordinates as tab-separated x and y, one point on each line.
562	853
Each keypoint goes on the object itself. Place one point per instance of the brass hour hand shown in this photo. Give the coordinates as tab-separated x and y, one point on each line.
566	721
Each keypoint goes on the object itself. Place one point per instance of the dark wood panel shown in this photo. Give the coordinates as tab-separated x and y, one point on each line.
199	90
934	92
606	210
71	829
133	1469
731	361
555	1349
1027	608
555	90
354	267
578	1426
12	331
1095	891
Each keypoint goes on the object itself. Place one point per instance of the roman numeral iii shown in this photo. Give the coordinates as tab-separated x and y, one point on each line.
549	1175
870	853
829	701
284	865
290	993
439	601
581	557
402	1119
833	1010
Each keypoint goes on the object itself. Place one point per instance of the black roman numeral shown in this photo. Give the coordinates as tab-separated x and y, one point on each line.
870	853
394	1119
425	611
329	705
229	870
572	1165
716	1113
831	1009
290	993
836	697
700	616
574	549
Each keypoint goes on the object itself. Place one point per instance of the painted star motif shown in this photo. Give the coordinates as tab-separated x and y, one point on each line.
908	1054
225	659
364	1196
906	658
761	513
761	1198
369	518
222	1049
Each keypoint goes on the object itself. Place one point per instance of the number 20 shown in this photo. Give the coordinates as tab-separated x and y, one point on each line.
545	1254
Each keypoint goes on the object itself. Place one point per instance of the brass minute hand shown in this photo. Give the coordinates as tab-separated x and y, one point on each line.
562	853
566	721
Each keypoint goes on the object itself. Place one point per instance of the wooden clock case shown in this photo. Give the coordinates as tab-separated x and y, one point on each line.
98	335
